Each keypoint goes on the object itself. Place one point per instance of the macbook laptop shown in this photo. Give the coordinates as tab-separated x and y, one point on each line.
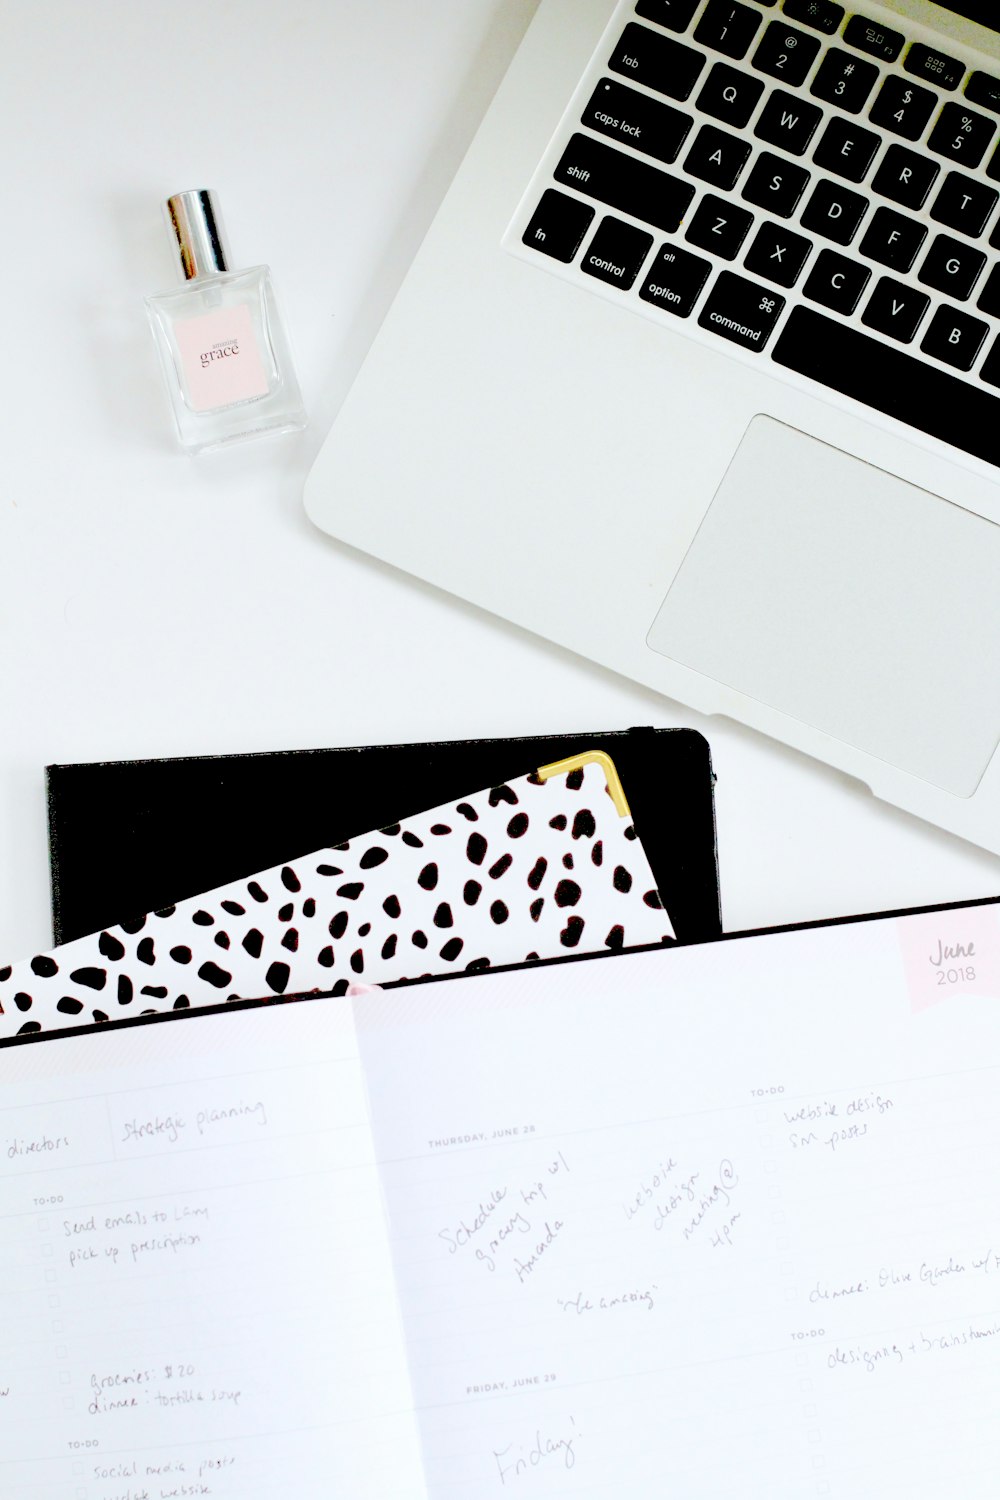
697	373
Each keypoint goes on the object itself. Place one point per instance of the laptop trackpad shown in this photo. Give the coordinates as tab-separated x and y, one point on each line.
848	599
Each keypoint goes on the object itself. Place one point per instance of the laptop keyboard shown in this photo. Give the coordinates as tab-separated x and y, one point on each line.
805	183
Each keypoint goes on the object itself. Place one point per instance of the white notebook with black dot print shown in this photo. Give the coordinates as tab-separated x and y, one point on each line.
539	867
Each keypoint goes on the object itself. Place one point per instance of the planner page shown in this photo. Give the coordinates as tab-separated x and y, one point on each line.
197	1287
713	1221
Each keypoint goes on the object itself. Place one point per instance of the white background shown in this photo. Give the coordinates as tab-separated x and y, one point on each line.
155	605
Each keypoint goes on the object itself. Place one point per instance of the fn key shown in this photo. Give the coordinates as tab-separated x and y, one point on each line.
558	225
741	311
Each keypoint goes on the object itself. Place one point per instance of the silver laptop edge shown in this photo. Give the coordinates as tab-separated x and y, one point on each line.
535	449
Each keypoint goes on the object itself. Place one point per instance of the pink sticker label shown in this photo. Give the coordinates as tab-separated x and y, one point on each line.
221	358
947	954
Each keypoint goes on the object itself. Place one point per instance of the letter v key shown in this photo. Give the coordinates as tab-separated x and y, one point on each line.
896	309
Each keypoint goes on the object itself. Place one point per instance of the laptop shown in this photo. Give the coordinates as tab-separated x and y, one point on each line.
697	373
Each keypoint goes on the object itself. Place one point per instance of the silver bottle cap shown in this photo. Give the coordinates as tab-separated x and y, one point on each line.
196	228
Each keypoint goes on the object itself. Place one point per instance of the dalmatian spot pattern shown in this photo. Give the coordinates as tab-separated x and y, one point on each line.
314	924
89	977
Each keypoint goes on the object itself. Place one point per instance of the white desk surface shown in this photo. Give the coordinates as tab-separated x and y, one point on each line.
155	605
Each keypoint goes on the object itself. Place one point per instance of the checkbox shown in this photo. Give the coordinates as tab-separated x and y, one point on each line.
769	1166
68	1403
773	1192
809	1411
813	1435
766	1141
819	1462
61	1352
786	1268
805	1385
64	1377
781	1245
50	1276
801	1358
777	1216
81	1493
57	1326
43	1223
761	1116
46	1249
790	1295
54	1302
78	1468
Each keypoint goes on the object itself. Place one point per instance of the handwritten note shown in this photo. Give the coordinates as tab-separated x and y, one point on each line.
198	1282
700	1222
768	1261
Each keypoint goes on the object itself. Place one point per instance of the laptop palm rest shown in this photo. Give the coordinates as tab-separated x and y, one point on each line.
847	599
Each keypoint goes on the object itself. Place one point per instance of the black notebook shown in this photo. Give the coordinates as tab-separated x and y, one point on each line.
128	837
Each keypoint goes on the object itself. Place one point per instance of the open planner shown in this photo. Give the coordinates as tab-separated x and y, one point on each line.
699	1221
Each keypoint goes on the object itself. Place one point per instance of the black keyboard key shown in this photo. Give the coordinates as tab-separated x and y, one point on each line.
616	253
719	226
727	27
995	236
622	182
905	177
892	239
729	95
775	184
989	297
637	120
778	254
657	62
984	89
741	311
993	168
896	309
902	107
934	67
837	282
822	15
845	81
675	15
954	337
846	149
874	38
889	380
961	135
716	157
834	212
558	225
991	367
788	122
785	53
675	280
963	204
952	267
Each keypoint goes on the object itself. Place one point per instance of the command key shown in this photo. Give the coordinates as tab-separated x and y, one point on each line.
741	311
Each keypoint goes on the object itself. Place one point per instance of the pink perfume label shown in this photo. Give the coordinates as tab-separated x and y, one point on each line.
221	358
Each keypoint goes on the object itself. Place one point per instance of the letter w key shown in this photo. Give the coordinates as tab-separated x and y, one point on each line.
788	122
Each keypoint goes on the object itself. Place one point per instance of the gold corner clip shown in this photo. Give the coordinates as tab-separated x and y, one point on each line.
592	757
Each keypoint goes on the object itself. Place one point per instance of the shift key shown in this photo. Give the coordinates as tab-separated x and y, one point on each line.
741	311
623	182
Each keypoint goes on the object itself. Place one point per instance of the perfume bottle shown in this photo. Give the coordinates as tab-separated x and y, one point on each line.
221	340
